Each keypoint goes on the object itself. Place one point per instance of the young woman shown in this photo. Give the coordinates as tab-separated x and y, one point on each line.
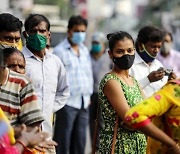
117	93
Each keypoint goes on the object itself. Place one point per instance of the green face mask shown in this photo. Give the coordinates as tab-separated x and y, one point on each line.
37	42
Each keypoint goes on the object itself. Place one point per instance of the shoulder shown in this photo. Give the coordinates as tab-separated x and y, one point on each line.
17	78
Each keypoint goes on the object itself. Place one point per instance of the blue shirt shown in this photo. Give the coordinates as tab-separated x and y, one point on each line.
79	73
50	81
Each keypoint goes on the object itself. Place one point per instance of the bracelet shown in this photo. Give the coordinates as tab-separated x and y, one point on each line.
176	145
20	142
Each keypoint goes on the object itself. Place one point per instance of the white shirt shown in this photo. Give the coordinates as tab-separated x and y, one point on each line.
50	82
79	72
140	70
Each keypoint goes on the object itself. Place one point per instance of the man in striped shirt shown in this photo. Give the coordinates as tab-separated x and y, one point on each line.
17	97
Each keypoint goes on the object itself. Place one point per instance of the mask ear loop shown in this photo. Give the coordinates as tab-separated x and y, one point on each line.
144	50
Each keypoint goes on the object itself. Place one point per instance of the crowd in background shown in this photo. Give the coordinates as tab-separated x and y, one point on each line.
123	91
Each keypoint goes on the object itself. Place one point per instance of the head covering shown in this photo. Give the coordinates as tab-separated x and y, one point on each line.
98	37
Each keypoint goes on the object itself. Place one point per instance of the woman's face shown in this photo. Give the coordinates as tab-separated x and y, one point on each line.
122	47
16	63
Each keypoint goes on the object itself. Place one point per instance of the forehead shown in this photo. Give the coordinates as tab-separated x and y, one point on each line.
79	27
41	25
15	34
16	57
154	43
124	44
167	38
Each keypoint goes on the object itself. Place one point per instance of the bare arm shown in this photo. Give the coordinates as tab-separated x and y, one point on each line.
115	95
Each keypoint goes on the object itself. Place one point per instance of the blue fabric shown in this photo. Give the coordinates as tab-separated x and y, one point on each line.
3	128
70	130
79	73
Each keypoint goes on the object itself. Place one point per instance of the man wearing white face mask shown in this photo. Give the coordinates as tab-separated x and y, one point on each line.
169	57
72	119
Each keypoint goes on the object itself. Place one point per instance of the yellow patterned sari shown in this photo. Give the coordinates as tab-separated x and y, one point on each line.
163	108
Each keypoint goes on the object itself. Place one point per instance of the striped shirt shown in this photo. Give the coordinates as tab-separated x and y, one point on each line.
19	101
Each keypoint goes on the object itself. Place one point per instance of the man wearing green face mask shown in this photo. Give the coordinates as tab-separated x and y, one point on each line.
44	69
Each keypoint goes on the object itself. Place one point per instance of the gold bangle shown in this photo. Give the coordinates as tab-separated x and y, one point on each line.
20	142
176	145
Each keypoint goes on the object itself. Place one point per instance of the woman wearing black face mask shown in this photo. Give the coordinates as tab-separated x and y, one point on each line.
118	91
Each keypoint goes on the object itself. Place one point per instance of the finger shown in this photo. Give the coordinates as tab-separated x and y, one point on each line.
51	142
39	148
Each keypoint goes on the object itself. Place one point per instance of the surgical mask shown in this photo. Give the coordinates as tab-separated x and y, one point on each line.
4	45
78	37
96	48
144	54
37	42
166	47
125	62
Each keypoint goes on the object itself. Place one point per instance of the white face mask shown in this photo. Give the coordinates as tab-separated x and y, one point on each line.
166	47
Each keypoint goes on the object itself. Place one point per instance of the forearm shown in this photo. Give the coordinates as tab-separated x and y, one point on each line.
154	132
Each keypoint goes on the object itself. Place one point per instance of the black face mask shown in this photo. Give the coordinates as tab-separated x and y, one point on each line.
124	62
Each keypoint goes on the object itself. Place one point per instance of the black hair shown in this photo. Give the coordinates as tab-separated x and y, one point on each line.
149	34
7	52
34	19
77	20
10	23
118	36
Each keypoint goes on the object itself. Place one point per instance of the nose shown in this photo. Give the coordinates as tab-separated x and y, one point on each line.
17	69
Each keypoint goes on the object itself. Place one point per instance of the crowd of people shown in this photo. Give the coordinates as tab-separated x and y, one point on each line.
127	92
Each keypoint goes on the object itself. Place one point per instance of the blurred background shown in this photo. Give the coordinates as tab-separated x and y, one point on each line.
103	15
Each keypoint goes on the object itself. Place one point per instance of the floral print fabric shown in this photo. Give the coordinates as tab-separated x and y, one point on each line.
127	142
164	110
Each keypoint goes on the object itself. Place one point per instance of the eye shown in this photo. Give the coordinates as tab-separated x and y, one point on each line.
120	51
21	67
130	50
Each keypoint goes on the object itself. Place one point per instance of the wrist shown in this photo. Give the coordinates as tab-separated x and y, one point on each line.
176	145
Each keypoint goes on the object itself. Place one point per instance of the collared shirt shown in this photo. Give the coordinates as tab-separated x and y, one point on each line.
79	72
172	61
140	70
50	82
100	67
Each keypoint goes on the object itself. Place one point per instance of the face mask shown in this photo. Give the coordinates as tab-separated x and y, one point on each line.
4	45
37	42
124	62
166	47
96	48
144	54
78	37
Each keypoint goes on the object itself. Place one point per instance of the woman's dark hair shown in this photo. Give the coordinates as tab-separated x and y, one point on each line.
77	20
34	19
7	52
149	34
10	23
117	36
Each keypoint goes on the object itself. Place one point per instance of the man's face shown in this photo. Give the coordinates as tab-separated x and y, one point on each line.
10	37
41	29
153	48
76	28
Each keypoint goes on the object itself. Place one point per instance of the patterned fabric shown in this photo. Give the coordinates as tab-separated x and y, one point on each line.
79	72
19	101
127	142
164	107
